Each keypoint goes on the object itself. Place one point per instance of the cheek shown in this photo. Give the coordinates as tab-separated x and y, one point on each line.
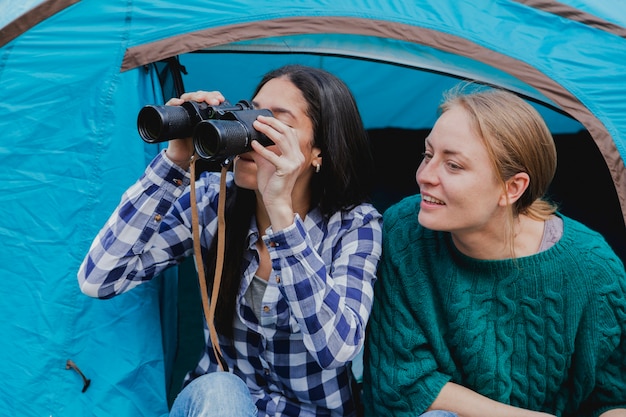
306	145
305	137
475	198
245	182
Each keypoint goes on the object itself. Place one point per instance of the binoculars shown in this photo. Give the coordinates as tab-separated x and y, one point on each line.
219	132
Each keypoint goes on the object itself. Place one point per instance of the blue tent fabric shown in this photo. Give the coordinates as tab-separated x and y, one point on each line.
74	74
565	59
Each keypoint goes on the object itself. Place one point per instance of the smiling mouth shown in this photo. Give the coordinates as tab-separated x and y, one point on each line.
433	200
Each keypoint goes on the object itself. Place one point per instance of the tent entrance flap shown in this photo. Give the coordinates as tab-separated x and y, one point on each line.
170	74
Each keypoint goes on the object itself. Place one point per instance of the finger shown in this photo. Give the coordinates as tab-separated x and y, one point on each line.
210	97
274	129
264	152
275	123
174	102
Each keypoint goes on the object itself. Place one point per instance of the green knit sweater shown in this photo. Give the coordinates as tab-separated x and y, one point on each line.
545	332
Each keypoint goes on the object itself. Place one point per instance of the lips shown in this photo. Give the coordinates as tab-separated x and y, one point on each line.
432	200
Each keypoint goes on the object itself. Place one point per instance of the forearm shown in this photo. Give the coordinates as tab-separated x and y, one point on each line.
118	258
617	412
467	403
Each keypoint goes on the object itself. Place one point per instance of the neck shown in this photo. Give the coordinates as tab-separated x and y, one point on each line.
497	243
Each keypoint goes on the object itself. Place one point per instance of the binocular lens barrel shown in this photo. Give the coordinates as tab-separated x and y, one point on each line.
219	132
162	123
213	138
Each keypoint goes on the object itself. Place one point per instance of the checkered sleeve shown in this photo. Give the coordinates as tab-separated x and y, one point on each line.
329	288
148	231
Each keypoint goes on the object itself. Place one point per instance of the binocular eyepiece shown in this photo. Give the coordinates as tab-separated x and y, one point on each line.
219	132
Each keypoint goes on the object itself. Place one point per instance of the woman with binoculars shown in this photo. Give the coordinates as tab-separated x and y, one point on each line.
302	246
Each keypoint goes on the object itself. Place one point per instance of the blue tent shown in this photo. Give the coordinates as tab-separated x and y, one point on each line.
74	74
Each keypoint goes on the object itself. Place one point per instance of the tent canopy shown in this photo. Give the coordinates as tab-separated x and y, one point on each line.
75	73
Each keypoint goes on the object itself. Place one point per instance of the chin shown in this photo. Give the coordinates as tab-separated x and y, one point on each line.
430	223
244	178
245	181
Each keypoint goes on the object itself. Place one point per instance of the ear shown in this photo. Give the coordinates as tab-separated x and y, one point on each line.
514	187
316	157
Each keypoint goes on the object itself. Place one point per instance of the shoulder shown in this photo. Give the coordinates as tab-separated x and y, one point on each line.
589	246
207	189
587	262
360	214
365	210
209	182
400	223
406	210
212	177
410	244
364	218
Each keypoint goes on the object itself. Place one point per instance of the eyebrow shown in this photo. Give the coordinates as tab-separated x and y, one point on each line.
276	110
445	151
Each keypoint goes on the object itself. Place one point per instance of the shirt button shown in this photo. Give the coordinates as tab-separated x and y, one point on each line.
273	244
266	309
278	279
157	218
178	181
266	371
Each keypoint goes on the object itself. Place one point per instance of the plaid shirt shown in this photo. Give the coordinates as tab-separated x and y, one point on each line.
295	357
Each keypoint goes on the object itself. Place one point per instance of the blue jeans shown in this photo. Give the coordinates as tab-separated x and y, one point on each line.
439	413
218	394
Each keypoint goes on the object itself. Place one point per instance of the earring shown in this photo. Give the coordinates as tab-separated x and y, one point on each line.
317	168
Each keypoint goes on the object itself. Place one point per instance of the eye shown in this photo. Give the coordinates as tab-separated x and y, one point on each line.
427	156
453	166
284	118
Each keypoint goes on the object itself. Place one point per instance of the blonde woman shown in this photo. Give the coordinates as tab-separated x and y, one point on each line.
489	302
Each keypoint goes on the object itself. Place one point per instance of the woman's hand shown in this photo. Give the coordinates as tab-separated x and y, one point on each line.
279	166
181	150
467	403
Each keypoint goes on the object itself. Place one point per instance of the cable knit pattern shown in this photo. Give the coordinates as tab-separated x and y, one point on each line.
545	332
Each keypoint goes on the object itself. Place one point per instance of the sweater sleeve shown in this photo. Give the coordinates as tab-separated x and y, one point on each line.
401	375
610	387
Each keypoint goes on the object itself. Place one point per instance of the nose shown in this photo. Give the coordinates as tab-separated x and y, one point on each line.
425	173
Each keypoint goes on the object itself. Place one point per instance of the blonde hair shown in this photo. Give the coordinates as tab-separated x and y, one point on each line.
517	140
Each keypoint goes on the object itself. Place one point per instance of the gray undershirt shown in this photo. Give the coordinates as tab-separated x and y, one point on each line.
254	295
552	232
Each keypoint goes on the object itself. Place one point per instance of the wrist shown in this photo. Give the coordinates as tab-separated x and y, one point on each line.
280	216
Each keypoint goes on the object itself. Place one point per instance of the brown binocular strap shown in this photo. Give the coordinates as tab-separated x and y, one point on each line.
207	306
